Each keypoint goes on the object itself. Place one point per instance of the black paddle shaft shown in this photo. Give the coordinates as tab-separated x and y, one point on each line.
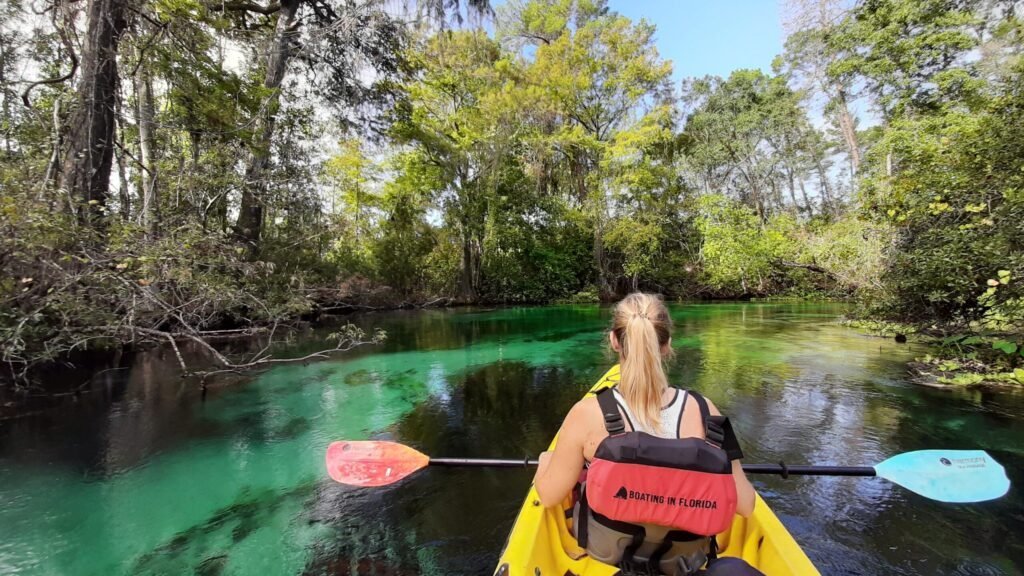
785	470
484	462
780	469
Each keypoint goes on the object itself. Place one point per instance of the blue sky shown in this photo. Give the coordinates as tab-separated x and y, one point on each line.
711	36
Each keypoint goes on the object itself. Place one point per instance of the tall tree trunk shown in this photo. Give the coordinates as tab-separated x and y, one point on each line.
8	123
123	188
85	173
467	274
792	188
776	197
53	166
755	192
249	224
847	128
807	201
826	190
149	215
604	289
467	267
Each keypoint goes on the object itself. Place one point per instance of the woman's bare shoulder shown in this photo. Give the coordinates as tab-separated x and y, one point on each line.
691	401
712	408
584	407
584	413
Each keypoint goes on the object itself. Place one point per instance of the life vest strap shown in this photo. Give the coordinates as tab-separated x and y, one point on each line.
629	564
714	434
582	530
718	430
610	410
628	528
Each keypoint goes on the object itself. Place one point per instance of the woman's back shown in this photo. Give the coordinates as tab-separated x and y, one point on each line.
643	402
680	418
670	422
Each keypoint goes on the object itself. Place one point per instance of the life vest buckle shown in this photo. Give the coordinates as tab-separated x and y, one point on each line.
614	424
713	434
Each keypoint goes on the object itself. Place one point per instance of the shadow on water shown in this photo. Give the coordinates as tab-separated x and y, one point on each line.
203	548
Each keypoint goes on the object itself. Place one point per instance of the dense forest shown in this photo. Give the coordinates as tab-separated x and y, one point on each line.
185	168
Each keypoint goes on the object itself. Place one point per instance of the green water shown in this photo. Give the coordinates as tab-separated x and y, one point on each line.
144	475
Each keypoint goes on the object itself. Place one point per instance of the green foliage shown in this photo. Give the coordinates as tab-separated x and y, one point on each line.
911	54
955	205
350	334
550	161
965	379
738	252
880	327
748	137
442	264
639	244
588	295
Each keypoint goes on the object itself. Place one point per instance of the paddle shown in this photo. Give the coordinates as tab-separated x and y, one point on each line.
944	475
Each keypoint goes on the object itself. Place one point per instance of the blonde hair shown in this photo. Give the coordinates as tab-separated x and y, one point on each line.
643	327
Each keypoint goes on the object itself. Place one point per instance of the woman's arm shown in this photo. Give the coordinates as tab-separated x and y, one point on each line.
559	471
744	489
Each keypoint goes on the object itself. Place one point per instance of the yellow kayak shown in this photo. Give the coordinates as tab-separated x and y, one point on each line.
540	543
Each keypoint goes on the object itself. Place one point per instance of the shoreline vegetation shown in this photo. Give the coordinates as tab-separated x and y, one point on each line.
363	156
954	359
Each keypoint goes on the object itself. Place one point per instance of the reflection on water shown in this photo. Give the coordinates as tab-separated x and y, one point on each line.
144	476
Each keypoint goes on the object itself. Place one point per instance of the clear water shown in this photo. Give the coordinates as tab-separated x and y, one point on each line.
144	475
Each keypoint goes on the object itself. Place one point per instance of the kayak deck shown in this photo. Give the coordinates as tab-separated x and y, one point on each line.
540	543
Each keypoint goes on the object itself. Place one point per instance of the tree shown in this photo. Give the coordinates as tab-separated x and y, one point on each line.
747	136
347	37
807	57
737	250
598	78
406	239
446	114
955	204
85	173
909	54
149	214
355	205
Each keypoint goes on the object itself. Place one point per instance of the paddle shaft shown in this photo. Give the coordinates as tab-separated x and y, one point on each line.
779	469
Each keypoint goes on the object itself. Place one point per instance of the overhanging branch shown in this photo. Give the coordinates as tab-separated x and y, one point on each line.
243	6
808	267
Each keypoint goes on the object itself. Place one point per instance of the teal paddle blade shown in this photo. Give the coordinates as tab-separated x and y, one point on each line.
947	475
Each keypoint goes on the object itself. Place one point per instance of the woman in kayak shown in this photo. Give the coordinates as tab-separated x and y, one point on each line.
657	468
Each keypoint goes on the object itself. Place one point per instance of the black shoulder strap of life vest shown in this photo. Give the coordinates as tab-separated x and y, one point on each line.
718	430
610	410
713	432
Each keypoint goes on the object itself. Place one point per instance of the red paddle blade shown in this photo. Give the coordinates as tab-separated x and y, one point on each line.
372	463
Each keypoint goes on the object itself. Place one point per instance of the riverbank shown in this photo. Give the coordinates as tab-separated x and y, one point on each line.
84	297
955	360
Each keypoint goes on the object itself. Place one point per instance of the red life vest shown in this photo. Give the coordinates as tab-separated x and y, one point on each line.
685	484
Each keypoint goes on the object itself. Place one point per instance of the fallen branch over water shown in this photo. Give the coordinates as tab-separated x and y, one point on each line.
348	338
77	298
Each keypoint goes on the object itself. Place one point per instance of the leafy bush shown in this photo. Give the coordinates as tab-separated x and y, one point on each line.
738	253
957	205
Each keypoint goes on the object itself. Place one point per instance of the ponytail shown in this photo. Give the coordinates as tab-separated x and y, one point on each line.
643	327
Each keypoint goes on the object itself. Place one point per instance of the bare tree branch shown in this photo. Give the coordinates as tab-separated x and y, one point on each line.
74	64
243	6
809	267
